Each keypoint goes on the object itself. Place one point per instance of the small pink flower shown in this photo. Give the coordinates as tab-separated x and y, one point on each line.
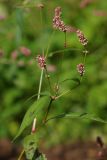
100	13
59	24
80	69
41	61
14	54
82	38
25	51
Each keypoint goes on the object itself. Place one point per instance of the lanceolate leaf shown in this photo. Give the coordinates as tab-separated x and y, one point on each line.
32	112
30	144
76	80
79	116
74	85
86	116
41	157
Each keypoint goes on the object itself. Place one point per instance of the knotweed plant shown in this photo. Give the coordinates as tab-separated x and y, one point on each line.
31	118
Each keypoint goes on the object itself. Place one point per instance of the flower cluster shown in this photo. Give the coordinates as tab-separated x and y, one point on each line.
82	38
84	3
25	51
80	69
41	61
59	24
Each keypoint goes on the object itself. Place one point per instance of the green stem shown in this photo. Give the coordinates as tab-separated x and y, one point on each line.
65	43
21	154
64	50
48	109
49	43
40	84
64	93
84	60
48	78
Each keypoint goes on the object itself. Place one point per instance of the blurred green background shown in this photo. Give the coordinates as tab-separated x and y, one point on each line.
20	26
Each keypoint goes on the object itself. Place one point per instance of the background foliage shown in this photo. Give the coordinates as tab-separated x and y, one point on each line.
20	77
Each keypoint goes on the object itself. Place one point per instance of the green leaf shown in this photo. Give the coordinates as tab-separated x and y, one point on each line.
76	80
30	144
32	112
79	116
46	93
63	51
41	157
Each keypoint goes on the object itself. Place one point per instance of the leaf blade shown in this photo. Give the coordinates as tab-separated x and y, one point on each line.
31	113
78	115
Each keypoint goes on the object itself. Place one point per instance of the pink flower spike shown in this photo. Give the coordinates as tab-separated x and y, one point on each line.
80	69
59	24
82	38
14	54
25	51
41	61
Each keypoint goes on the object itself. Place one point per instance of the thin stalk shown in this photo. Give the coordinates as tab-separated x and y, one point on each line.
64	50
84	59
84	62
48	78
21	154
49	43
64	93
48	109
61	59
40	83
65	43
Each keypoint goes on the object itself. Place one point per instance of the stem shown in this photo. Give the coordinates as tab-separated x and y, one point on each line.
65	43
40	84
62	57
67	92
48	109
41	18
21	154
49	43
84	60
48	77
64	50
64	93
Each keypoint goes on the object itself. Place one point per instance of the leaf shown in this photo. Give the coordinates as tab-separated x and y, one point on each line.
64	50
41	157
32	112
76	80
79	116
46	93
30	144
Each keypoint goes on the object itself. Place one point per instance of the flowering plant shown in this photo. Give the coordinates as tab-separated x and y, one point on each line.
32	118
